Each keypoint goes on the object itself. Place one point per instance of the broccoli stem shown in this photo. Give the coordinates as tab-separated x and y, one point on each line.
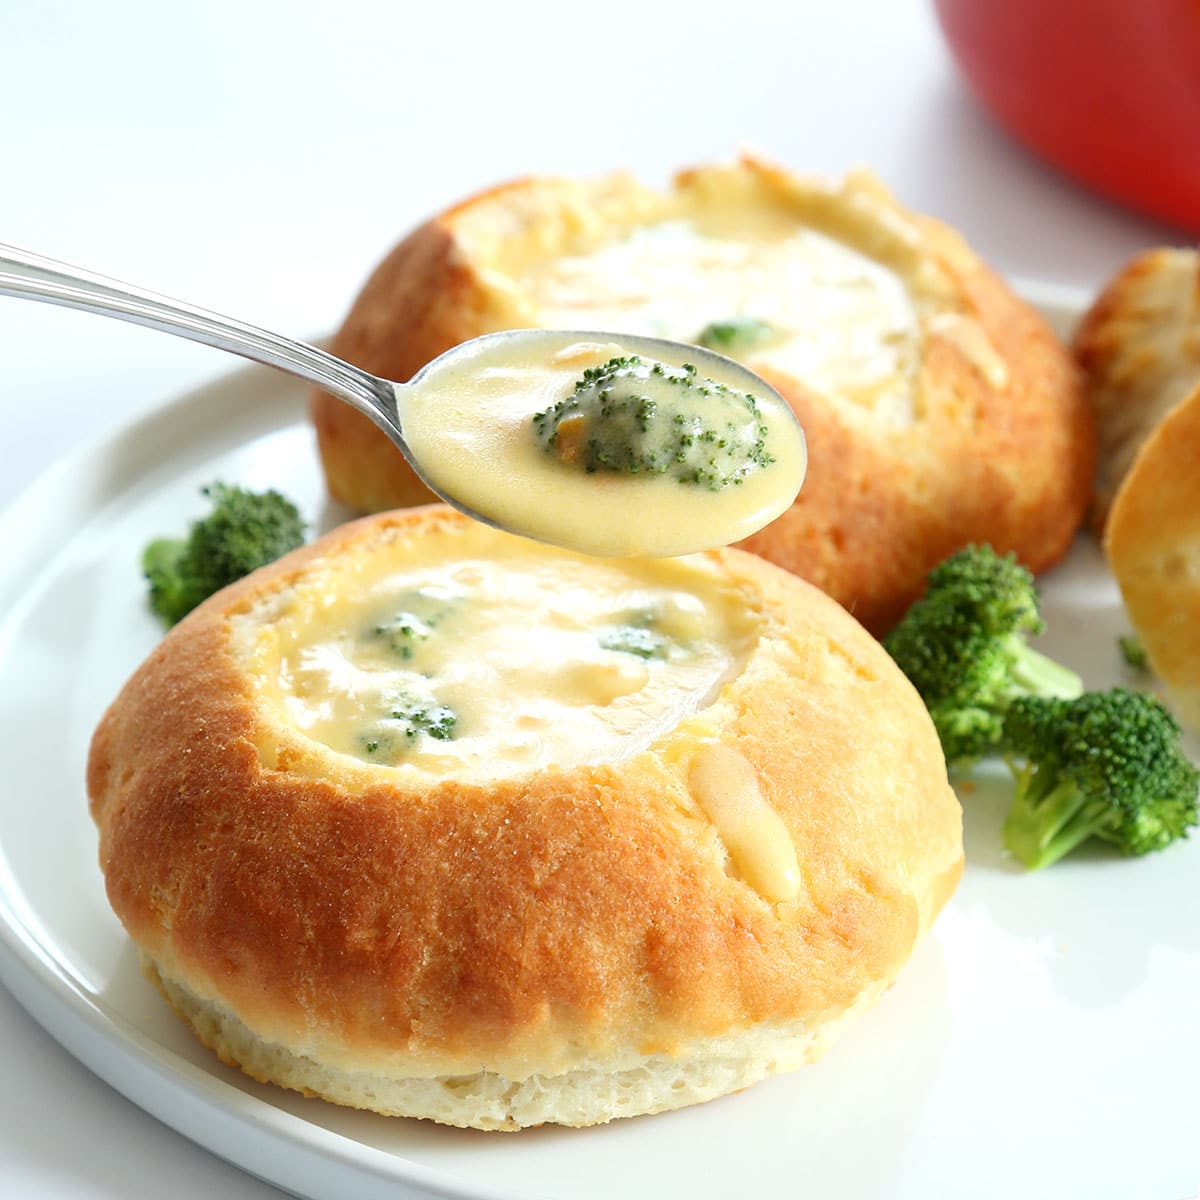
163	564
1133	652
1036	675
1047	822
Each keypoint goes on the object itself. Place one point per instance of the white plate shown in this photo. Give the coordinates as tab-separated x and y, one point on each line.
1043	1041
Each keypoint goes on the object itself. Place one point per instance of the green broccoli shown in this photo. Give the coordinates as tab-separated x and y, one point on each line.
436	720
244	531
406	720
639	640
738	335
404	632
636	416
1133	652
963	646
1105	765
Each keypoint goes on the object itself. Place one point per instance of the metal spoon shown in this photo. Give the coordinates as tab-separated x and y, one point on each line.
34	277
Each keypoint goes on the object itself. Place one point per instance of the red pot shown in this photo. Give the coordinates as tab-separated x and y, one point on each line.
1109	90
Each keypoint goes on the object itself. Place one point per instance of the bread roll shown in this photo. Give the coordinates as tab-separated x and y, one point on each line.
939	409
438	822
1139	345
1153	546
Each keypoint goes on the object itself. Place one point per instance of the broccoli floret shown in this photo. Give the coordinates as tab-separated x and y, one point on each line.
1133	652
244	531
739	335
404	723
425	609
436	720
964	647
1105	765
633	416
403	633
638	640
171	585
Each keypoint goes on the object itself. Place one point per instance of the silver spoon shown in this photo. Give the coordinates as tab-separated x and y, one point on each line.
31	276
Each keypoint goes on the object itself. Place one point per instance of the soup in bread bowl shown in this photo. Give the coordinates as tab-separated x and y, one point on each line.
431	820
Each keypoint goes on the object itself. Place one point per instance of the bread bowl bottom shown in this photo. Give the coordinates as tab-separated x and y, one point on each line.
642	1084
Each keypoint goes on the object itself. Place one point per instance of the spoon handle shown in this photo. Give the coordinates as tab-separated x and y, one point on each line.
33	277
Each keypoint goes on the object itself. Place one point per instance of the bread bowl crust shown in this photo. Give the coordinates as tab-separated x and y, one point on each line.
1152	542
1011	465
568	920
1139	346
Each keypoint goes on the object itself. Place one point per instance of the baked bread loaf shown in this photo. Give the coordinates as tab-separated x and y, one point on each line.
439	822
1139	345
939	409
1152	541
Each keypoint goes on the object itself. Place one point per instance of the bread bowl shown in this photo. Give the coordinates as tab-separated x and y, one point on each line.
1139	345
641	873
1152	541
939	408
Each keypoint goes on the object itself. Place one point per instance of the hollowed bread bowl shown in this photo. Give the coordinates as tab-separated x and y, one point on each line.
940	409
1139	345
1152	541
642	834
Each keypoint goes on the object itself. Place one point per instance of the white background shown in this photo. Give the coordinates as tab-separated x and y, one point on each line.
258	158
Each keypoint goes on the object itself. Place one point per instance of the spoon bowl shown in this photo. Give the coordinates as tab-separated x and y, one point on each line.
666	455
386	403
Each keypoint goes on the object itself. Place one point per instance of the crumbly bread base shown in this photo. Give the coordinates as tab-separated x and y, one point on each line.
653	1083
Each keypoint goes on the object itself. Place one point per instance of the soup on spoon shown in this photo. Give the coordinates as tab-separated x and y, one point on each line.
609	445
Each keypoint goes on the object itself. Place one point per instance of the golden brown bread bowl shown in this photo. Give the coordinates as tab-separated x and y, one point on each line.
1139	345
1152	541
439	822
939	409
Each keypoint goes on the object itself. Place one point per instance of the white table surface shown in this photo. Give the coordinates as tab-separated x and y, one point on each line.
259	157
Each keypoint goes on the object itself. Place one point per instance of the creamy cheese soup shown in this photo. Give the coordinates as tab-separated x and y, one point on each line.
478	655
821	311
471	656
